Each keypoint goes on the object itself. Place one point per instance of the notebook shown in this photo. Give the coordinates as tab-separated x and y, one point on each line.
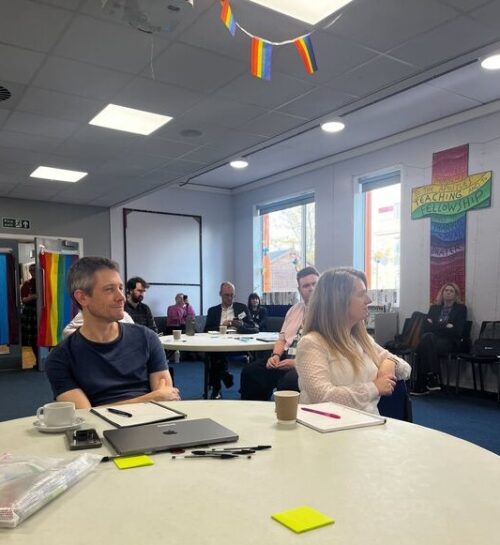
349	418
142	413
168	435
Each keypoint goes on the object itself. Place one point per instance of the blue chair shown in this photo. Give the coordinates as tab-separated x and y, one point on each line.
398	405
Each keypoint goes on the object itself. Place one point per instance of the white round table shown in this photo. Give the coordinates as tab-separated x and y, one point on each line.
394	484
207	342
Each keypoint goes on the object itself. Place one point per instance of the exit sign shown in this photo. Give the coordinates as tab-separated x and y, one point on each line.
15	223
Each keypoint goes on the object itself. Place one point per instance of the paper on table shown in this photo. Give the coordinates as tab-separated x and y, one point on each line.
349	418
142	413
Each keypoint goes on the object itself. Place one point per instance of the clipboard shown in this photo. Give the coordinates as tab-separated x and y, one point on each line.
142	413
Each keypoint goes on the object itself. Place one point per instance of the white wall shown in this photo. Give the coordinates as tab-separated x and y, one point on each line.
334	185
217	233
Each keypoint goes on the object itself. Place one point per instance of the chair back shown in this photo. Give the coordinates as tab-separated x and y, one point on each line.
488	343
398	405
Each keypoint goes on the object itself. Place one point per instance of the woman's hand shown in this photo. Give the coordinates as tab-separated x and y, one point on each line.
385	384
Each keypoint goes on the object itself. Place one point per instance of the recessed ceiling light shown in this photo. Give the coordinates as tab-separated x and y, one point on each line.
239	163
333	126
58	174
492	62
120	118
310	11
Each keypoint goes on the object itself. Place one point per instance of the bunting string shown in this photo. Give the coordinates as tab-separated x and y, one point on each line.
261	49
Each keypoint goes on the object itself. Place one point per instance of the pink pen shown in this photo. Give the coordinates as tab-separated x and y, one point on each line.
322	413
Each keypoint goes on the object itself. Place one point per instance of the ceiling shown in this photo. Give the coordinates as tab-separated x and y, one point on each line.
385	65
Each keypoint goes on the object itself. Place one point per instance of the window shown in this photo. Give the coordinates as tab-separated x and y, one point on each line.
285	233
378	231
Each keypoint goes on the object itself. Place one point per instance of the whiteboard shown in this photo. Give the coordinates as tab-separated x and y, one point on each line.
165	250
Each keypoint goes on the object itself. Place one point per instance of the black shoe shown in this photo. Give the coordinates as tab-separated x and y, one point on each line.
419	391
215	394
432	382
227	379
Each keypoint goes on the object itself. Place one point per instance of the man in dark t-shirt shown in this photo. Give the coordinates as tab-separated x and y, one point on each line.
104	361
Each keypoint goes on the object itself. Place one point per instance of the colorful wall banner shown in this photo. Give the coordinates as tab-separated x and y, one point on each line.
57	306
260	65
452	193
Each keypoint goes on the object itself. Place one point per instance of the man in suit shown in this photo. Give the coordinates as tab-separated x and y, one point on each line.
231	314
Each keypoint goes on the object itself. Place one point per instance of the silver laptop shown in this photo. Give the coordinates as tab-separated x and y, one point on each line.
168	435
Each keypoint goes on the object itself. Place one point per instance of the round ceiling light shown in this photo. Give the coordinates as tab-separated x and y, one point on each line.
491	63
239	163
333	126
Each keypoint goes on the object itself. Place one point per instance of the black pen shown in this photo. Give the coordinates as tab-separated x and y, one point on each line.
236	451
121	413
222	456
258	447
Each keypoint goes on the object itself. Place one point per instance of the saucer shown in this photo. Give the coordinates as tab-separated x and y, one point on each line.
57	429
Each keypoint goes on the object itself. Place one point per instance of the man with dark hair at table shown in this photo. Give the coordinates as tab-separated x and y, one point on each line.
106	361
229	314
139	311
260	378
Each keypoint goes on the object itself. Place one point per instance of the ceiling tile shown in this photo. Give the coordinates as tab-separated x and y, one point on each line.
445	42
59	105
489	15
317	103
161	147
209	133
268	94
17	64
80	79
195	68
4	114
153	96
39	125
333	55
272	124
222	112
31	25
471	82
384	24
373	75
28	141
204	155
466	5
118	48
25	159
66	4
30	191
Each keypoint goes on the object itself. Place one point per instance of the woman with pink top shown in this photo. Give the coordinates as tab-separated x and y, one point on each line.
177	314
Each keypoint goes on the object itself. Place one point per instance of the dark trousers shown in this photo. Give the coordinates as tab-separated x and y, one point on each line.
216	369
427	353
258	382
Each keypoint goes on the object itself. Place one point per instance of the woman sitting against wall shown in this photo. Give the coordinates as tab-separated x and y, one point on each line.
442	333
258	313
336	358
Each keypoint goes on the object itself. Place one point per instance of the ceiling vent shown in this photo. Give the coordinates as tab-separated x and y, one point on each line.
4	94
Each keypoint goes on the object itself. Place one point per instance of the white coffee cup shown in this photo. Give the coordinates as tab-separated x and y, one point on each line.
222	329
177	334
59	413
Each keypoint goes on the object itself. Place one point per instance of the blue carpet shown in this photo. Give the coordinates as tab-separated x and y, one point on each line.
466	416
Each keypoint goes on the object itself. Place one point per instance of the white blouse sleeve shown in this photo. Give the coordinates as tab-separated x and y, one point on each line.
403	368
313	367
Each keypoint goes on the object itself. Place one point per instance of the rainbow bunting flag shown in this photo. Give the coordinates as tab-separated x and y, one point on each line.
57	306
305	48
227	17
261	58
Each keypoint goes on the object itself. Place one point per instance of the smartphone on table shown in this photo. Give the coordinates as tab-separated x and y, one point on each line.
83	439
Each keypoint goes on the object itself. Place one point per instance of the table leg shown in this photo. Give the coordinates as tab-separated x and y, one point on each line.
206	375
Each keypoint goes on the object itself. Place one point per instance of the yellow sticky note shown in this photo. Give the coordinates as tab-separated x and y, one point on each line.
301	519
127	462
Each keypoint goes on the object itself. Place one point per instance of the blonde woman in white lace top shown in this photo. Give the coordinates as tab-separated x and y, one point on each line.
336	358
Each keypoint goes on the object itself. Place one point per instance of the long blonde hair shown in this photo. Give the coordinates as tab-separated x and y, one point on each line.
439	296
328	315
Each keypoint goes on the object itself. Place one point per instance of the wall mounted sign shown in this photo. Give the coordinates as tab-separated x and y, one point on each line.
15	223
452	193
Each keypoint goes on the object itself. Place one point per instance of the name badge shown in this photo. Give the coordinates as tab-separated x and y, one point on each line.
292	351
241	315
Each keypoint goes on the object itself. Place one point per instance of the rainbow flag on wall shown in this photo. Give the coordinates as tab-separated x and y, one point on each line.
227	17
260	59
305	48
57	306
